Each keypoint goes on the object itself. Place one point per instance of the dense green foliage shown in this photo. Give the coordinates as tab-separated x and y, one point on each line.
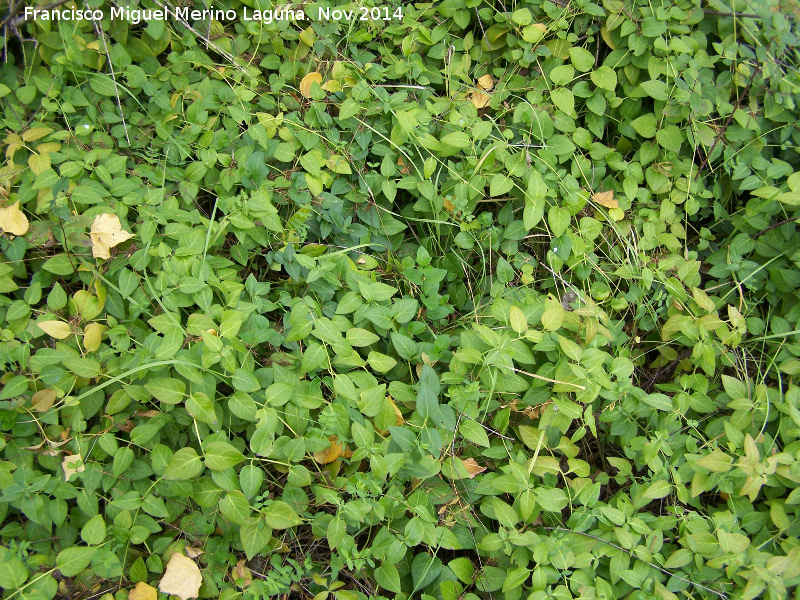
496	300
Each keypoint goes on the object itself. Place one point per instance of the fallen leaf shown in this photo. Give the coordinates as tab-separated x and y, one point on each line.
55	329
242	575
606	199
486	82
479	99
473	468
107	232
308	81
331	453
192	552
68	464
142	591
182	577
43	400
13	220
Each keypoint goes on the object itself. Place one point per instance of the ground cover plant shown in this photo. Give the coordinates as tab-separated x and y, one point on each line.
464	299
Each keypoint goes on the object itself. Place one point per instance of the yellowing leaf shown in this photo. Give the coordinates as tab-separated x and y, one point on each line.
92	336
241	573
13	220
107	232
332	86
479	99
486	82
606	199
142	591
606	35
182	577
192	552
473	468
43	400
55	329
331	453
72	464
398	416
308	81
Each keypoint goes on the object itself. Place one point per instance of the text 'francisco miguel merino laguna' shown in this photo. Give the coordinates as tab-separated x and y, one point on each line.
280	13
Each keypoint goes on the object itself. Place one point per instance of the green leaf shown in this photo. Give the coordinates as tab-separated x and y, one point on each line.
221	455
254	535
558	218
581	58
185	464
74	560
473	432
553	317
201	408
657	489
279	515
167	390
645	125
380	363
605	77
517	320
659	401
361	337
13	572
424	570
244	381
94	531
501	184
388	577
428	394
235	508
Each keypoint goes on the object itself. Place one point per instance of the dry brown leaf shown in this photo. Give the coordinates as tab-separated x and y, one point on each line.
69	465
485	82
331	453
107	232
142	591
192	552
473	468
241	573
479	99
308	81
182	577
13	220
43	400
606	199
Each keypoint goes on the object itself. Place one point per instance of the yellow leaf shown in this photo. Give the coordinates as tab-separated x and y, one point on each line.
606	199
13	220
479	99
35	133
55	329
332	86
92	336
473	468
486	82
331	453
142	591
192	552
69	465
39	163
308	81
182	577
107	232
43	400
